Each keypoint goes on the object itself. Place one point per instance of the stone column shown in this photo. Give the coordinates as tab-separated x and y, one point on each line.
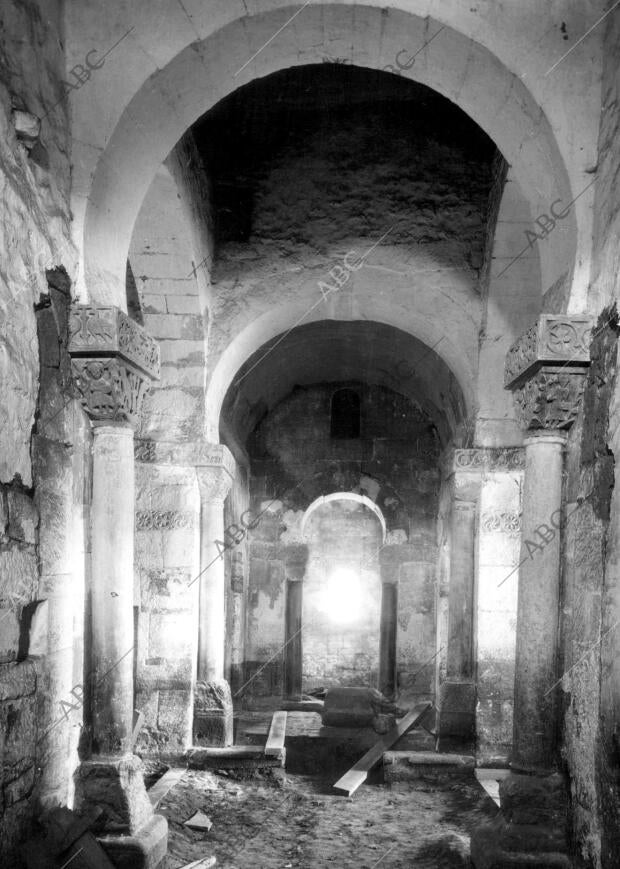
112	531
295	559
545	369
237	622
113	360
213	710
535	721
458	693
390	558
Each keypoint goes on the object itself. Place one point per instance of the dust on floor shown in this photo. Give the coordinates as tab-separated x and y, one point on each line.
297	822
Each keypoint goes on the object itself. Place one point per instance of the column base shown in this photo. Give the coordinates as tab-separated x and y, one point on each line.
531	829
146	849
457	711
213	714
115	785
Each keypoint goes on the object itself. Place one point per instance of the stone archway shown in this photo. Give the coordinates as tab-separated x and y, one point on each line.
341	603
175	96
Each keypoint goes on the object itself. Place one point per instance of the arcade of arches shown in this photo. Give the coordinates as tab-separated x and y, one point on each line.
308	342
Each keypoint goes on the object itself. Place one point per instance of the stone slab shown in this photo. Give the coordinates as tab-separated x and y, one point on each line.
428	765
146	849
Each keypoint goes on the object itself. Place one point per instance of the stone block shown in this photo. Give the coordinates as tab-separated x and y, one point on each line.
18	577
4	510
172	711
170	635
530	800
146	849
457	709
489	851
178	304
115	784
23	517
175	326
18	680
20	788
213	713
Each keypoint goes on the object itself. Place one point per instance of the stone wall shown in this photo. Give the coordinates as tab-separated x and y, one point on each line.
41	549
165	270
394	463
591	565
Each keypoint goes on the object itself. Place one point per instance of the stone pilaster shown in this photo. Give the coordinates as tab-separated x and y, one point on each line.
545	369
113	361
213	711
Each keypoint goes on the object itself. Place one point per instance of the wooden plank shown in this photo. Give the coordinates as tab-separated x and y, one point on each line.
169	779
358	773
136	729
203	863
277	735
220	752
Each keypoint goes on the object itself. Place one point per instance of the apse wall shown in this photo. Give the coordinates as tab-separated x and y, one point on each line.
294	460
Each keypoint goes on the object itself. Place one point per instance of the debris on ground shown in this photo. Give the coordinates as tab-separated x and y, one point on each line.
199	821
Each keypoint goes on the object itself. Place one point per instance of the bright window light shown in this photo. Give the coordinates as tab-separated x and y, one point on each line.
342	599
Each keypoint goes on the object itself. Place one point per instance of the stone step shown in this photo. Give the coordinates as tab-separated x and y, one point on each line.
399	766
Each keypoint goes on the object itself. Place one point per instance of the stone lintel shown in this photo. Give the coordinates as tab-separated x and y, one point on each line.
555	339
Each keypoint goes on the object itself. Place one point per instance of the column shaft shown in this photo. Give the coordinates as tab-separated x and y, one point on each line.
460	657
387	639
112	588
534	728
212	627
293	652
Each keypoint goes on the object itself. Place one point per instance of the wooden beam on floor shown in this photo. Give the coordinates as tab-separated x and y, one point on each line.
358	773
169	779
277	734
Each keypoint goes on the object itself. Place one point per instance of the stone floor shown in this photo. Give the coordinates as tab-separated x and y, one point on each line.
296	821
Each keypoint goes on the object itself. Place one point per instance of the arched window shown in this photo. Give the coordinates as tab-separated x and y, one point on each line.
345	419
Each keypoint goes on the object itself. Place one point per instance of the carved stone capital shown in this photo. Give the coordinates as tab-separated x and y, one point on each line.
545	370
551	398
215	469
113	361
553	340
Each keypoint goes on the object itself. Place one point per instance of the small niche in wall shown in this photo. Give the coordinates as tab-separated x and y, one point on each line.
345	414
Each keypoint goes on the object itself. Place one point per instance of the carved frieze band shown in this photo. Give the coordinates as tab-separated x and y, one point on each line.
163	520
484	459
508	523
113	361
190	454
552	340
